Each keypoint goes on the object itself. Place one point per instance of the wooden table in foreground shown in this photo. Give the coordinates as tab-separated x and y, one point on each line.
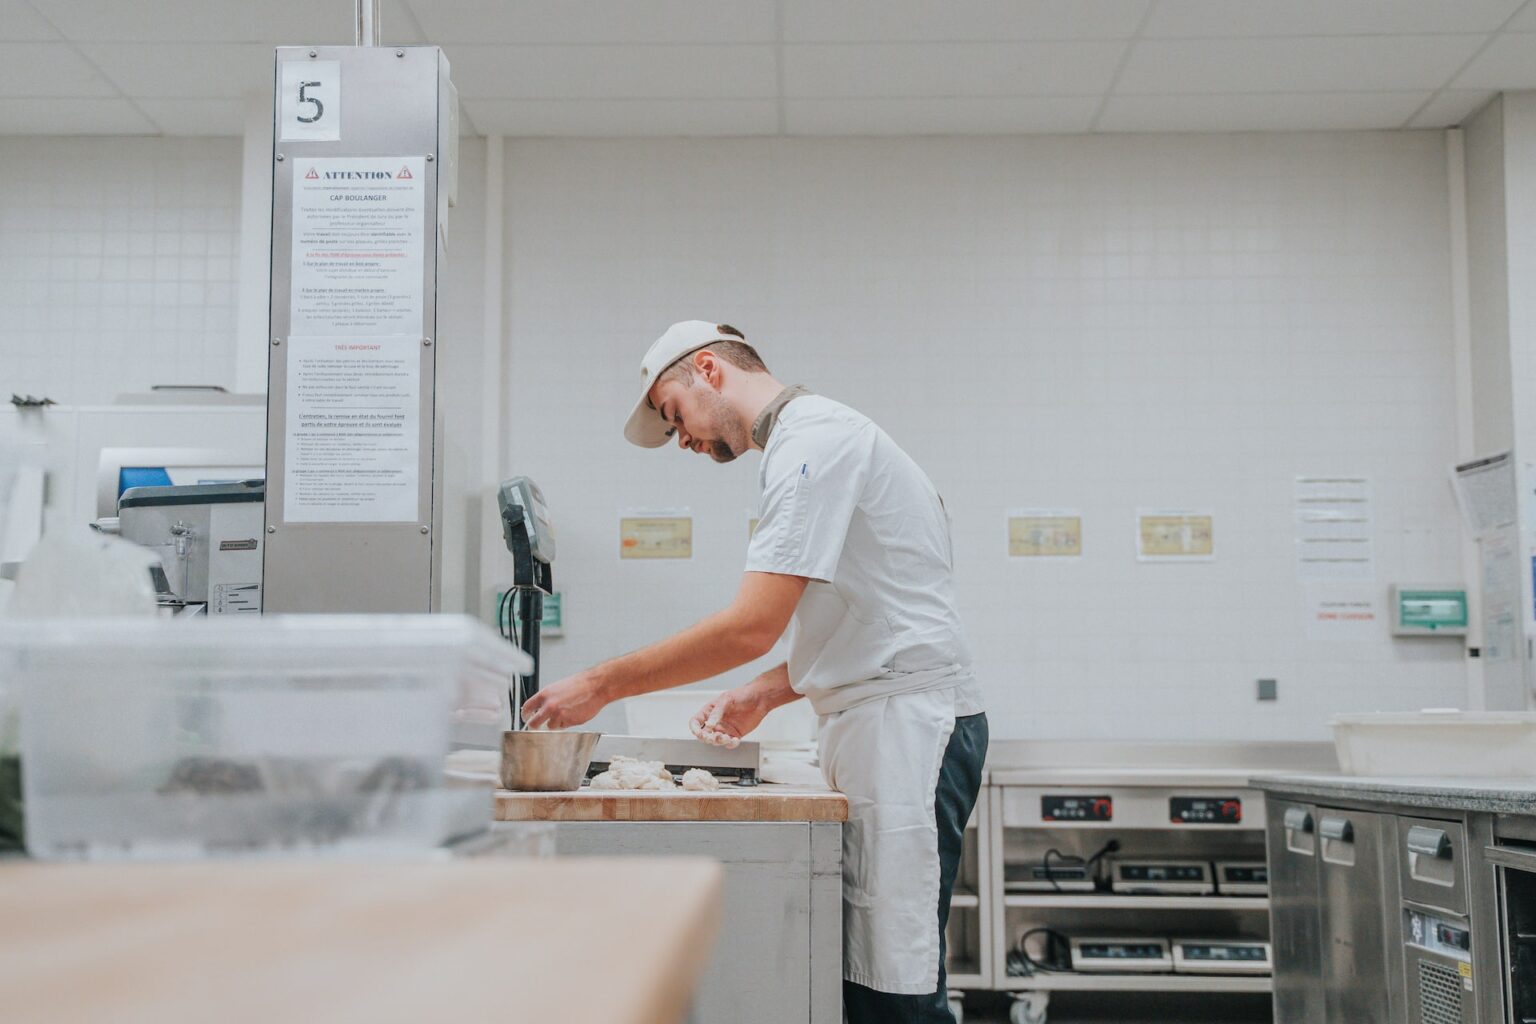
471	940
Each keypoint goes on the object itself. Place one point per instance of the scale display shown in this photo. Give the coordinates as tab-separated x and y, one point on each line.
1221	956
1205	810
1039	878
1163	877
1077	808
1242	878
1121	956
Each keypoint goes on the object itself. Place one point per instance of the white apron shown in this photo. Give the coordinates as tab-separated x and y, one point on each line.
884	755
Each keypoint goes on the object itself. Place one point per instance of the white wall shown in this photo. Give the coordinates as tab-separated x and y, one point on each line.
117	265
1099	323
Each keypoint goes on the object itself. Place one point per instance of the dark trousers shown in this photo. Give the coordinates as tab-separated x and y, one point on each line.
953	801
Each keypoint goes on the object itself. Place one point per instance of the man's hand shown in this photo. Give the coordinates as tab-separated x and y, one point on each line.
572	701
729	717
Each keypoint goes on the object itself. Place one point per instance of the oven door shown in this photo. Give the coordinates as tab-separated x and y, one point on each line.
1515	867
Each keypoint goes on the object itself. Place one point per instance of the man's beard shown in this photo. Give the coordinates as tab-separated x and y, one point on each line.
729	430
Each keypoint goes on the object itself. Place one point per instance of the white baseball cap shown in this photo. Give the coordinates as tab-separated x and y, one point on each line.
646	428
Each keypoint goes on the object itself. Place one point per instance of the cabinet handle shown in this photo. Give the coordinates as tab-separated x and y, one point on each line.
1340	830
1429	842
1297	819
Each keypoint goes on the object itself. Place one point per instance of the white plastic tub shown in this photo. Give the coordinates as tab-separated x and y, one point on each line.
1437	742
665	715
172	739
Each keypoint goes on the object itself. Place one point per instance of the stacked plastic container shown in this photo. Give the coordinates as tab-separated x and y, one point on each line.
272	736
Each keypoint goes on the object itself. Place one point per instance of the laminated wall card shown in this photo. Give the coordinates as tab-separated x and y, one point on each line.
656	535
1175	535
1045	533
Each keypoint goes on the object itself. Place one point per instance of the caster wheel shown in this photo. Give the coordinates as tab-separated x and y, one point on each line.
957	1007
1029	1008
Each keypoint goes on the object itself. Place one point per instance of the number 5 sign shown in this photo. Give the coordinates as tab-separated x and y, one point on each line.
310	110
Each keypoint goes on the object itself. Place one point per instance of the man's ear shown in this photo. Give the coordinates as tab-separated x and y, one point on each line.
708	366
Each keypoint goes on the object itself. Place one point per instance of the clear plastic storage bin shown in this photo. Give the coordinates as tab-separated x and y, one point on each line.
273	736
1437	742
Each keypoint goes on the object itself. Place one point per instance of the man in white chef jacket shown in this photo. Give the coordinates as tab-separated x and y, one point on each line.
852	556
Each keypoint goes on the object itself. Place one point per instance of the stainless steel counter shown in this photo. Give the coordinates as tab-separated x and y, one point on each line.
1491	796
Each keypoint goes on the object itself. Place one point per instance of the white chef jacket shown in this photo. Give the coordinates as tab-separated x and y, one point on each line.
843	505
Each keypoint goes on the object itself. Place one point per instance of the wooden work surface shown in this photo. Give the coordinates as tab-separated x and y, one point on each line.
619	941
767	802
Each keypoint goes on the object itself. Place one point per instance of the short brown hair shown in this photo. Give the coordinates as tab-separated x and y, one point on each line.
738	353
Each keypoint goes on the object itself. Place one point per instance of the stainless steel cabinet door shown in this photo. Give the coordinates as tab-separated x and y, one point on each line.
1291	838
1353	921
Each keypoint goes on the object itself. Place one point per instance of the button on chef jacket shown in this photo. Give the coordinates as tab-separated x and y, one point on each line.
843	505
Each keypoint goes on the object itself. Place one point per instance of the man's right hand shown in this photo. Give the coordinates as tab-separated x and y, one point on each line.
729	717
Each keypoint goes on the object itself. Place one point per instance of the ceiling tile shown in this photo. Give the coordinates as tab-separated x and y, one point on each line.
177	71
72	117
950	69
1206	18
626	118
196	117
1508	63
231	21
1356	64
891	21
48	69
1525	21
525	22
1451	108
613	72
1256	112
20	23
949	116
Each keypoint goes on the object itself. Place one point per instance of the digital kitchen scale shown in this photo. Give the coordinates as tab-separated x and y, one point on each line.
1040	878
1163	877
1092	955
1221	956
1242	878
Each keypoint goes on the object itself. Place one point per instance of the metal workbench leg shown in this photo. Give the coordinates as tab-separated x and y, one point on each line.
826	923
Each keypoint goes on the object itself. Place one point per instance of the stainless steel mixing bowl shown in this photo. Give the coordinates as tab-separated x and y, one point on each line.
535	761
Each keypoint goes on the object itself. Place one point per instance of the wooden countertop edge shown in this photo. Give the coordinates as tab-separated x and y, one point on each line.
696	807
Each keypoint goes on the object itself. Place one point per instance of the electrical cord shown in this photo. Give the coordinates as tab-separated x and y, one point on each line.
1089	863
1056	957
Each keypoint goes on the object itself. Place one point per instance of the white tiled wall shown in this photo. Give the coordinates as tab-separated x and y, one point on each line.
1098	323
117	265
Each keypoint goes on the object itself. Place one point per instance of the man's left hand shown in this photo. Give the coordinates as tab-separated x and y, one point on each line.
572	701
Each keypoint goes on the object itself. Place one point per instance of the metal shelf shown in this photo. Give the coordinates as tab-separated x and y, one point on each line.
961	900
1137	983
1108	901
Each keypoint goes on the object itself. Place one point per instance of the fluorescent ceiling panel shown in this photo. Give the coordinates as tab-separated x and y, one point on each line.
890	21
1509	62
196	117
1237	113
20	23
525	22
616	72
48	69
968	115
1230	18
72	117
1356	64
1451	108
624	118
950	69
176	71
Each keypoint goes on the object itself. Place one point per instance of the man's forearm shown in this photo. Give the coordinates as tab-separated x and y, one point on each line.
713	645
772	688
